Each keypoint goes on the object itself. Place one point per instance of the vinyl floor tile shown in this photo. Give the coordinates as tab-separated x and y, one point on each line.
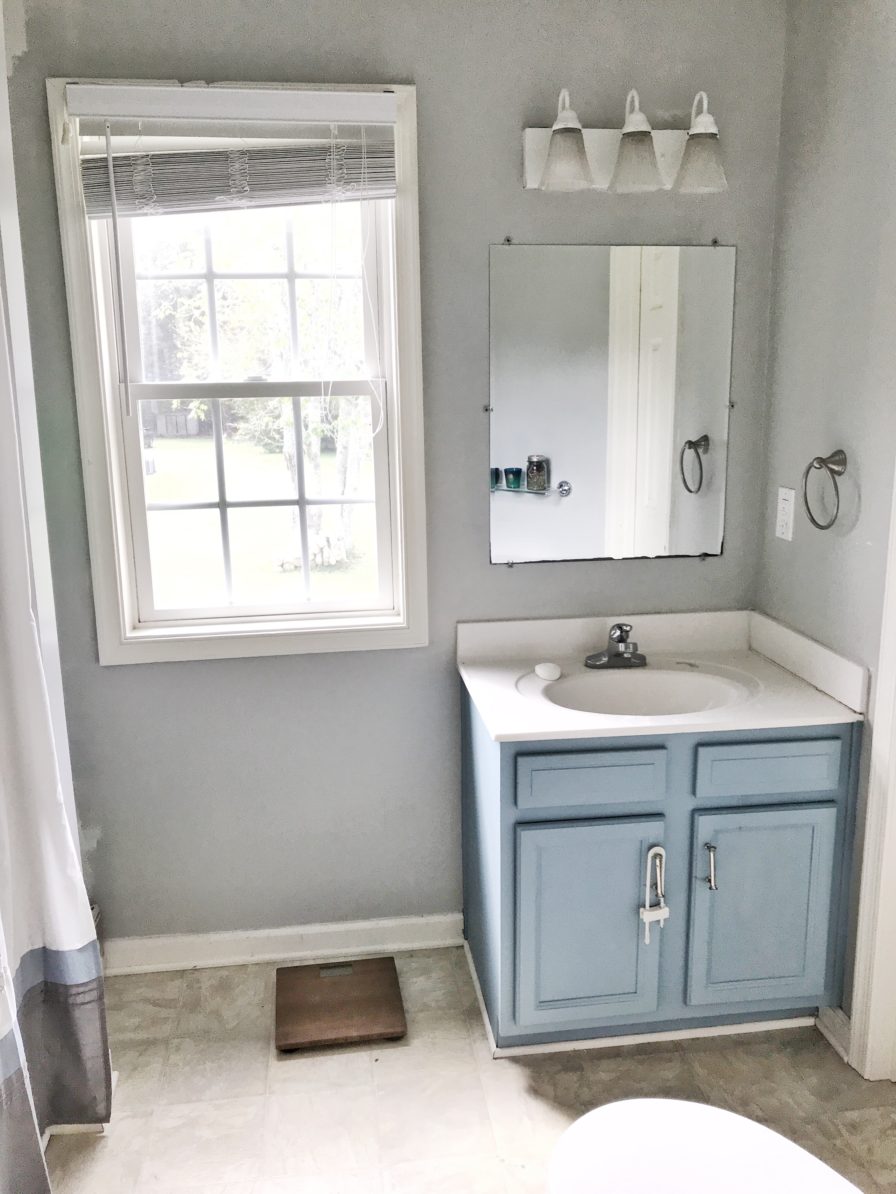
822	1138
313	1135
214	1143
205	1105
101	1164
140	1066
337	1068
871	1136
457	1171
201	1068
227	1002
143	1006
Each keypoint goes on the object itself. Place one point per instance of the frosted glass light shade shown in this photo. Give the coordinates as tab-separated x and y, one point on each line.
701	171
636	166
566	167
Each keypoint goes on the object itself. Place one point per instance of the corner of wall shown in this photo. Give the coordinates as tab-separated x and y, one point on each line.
15	31
759	596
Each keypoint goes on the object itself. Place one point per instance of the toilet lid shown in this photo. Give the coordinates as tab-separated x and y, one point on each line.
666	1146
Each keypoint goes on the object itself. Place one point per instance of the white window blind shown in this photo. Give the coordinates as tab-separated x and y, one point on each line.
219	179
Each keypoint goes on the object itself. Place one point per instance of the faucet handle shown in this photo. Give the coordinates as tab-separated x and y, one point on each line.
619	632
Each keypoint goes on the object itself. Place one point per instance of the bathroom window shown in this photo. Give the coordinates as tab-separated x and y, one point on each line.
242	269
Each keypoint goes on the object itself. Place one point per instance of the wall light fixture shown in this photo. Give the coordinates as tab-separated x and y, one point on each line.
568	157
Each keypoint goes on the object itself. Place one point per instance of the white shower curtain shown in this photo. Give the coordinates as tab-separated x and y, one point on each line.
54	1058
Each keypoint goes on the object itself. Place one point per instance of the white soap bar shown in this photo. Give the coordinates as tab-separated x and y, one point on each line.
548	671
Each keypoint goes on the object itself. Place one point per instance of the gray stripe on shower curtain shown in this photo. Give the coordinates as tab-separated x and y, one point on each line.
59	996
66	966
22	1166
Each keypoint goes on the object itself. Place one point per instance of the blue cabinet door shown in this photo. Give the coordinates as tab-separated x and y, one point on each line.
580	941
761	931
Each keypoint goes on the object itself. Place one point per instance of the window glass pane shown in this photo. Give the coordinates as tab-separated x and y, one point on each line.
266	556
186	558
327	238
169	244
338	447
178	452
259	449
253	329
174	330
342	546
330	327
249	242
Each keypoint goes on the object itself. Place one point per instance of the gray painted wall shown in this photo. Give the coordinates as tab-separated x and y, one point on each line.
833	357
240	794
834	349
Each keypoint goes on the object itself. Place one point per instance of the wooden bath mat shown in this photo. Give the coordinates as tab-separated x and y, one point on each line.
338	1003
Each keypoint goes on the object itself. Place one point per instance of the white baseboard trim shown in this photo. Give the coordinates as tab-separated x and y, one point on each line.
635	1038
480	999
648	1038
293	943
834	1025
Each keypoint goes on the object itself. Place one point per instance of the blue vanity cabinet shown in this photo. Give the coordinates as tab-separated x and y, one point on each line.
555	841
581	951
760	929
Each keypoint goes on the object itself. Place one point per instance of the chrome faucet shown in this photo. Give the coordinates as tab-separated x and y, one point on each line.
620	652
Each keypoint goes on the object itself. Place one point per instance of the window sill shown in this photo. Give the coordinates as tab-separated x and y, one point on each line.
229	641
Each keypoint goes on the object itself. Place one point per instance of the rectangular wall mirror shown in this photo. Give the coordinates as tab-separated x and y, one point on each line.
613	363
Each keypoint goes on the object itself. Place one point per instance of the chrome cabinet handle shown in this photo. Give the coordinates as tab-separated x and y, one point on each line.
711	851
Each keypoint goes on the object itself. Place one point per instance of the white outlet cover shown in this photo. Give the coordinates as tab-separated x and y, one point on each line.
784	517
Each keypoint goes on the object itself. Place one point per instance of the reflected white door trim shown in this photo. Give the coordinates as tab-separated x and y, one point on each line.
622	399
657	369
872	1049
641	390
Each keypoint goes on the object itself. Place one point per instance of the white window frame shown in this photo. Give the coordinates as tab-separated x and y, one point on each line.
122	636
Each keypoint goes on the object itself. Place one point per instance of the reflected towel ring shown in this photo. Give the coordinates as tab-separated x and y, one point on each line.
835	465
696	446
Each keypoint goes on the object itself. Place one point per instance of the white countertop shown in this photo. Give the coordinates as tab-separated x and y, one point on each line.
510	701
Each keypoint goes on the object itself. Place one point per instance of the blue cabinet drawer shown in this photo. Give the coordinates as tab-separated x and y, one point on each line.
587	778
768	768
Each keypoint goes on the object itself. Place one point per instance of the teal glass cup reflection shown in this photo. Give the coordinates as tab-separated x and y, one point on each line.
513	478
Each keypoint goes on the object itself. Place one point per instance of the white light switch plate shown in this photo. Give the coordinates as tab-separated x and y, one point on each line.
784	519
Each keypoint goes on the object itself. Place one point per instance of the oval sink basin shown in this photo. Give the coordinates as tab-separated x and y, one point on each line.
647	692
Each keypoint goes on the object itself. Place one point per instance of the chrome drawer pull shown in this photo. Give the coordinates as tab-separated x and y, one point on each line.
711	850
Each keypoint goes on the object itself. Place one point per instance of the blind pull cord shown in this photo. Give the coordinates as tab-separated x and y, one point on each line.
124	373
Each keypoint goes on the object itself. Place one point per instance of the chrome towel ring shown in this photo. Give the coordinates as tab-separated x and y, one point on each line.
696	446
835	466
